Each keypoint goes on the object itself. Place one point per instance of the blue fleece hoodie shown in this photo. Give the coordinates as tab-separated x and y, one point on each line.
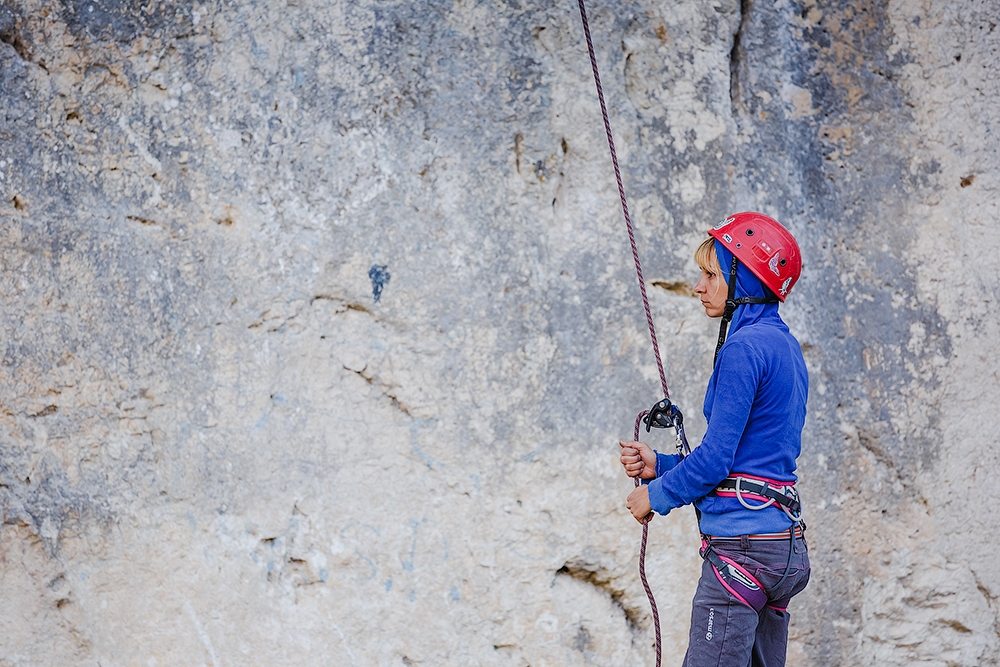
755	406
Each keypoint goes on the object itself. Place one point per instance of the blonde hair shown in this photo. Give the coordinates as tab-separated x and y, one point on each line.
705	256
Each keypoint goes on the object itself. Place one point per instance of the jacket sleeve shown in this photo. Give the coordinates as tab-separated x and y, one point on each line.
737	377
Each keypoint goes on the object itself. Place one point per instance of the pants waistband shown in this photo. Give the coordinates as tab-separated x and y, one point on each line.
783	535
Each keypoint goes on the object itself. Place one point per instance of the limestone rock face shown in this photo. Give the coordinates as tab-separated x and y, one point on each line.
320	327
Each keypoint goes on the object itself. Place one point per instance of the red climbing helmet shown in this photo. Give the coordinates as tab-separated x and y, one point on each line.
764	246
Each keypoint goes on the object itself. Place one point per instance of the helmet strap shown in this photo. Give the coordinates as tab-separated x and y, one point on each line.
731	304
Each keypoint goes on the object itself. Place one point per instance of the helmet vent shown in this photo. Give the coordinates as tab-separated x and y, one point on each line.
749	232
783	262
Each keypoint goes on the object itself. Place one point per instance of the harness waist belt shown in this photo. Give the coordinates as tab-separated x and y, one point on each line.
765	491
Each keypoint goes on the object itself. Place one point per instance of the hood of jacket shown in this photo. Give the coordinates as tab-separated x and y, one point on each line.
747	284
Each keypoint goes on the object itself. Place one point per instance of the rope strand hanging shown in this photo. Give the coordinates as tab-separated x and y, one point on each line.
621	193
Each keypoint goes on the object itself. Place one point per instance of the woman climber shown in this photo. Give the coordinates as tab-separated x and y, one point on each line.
741	478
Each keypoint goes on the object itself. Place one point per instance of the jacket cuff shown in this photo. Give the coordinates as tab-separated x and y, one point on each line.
658	498
666	462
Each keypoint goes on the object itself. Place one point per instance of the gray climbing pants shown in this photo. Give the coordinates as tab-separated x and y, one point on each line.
726	632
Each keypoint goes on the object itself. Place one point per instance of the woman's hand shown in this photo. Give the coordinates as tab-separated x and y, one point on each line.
638	503
638	459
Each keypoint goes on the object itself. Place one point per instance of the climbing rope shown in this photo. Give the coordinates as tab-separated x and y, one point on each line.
621	193
649	316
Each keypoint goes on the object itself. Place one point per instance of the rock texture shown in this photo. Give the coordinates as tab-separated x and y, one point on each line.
320	328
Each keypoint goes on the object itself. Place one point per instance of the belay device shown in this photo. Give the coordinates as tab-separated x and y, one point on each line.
663	414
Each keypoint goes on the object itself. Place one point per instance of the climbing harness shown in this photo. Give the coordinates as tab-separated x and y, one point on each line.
766	492
663	414
739	582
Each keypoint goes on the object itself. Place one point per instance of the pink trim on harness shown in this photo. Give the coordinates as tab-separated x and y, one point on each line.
775	484
745	494
780	605
772	482
742	570
730	588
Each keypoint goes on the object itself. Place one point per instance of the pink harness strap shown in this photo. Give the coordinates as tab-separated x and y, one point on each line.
735	578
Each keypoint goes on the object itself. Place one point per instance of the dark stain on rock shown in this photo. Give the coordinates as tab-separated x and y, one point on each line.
601	579
45	412
737	56
12	34
677	287
124	20
379	273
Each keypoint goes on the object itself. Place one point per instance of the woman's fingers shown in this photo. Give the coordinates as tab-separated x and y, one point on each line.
638	503
633	466
631	458
631	461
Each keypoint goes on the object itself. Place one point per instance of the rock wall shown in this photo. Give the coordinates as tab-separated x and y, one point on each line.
320	325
